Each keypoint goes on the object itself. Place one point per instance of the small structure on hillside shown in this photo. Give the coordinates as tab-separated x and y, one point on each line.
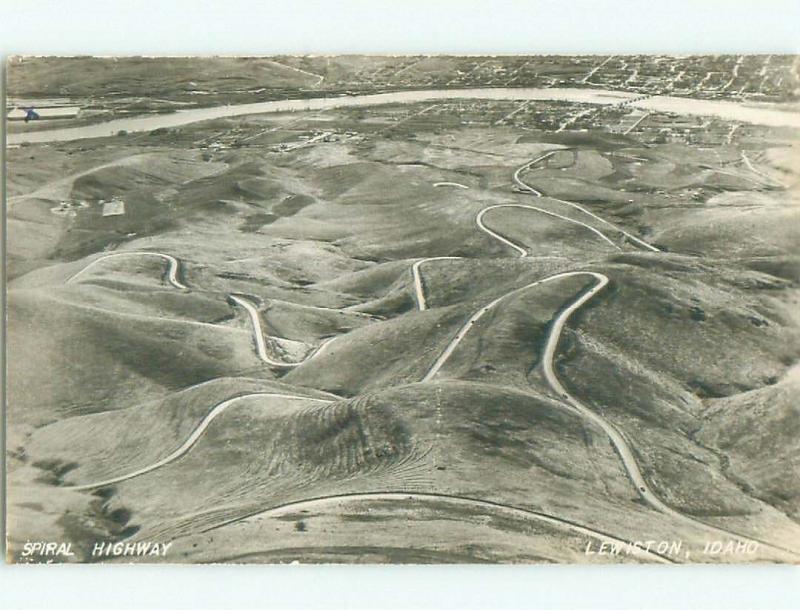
115	207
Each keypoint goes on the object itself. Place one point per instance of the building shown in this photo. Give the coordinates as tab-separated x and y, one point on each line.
115	207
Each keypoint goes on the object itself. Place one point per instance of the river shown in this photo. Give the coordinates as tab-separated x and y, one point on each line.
762	115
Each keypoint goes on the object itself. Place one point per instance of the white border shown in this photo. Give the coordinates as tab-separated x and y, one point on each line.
407	27
176	27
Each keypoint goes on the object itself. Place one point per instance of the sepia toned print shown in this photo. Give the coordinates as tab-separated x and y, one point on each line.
396	309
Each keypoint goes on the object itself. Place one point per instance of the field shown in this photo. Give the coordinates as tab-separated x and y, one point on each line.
402	333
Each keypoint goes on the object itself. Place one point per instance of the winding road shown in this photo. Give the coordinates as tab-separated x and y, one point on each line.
172	262
173	271
486	505
218	409
622	447
262	350
467	326
418	288
536	193
192	439
456	184
523	251
258	333
261	344
617	439
758	172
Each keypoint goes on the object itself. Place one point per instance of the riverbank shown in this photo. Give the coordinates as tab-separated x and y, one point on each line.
773	117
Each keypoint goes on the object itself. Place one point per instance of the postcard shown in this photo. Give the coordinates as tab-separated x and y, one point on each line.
403	309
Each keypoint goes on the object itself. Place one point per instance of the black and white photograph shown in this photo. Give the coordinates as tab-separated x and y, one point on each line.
399	309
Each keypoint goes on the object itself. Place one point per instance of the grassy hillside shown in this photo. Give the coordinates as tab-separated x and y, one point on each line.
100	357
127	75
756	433
419	437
